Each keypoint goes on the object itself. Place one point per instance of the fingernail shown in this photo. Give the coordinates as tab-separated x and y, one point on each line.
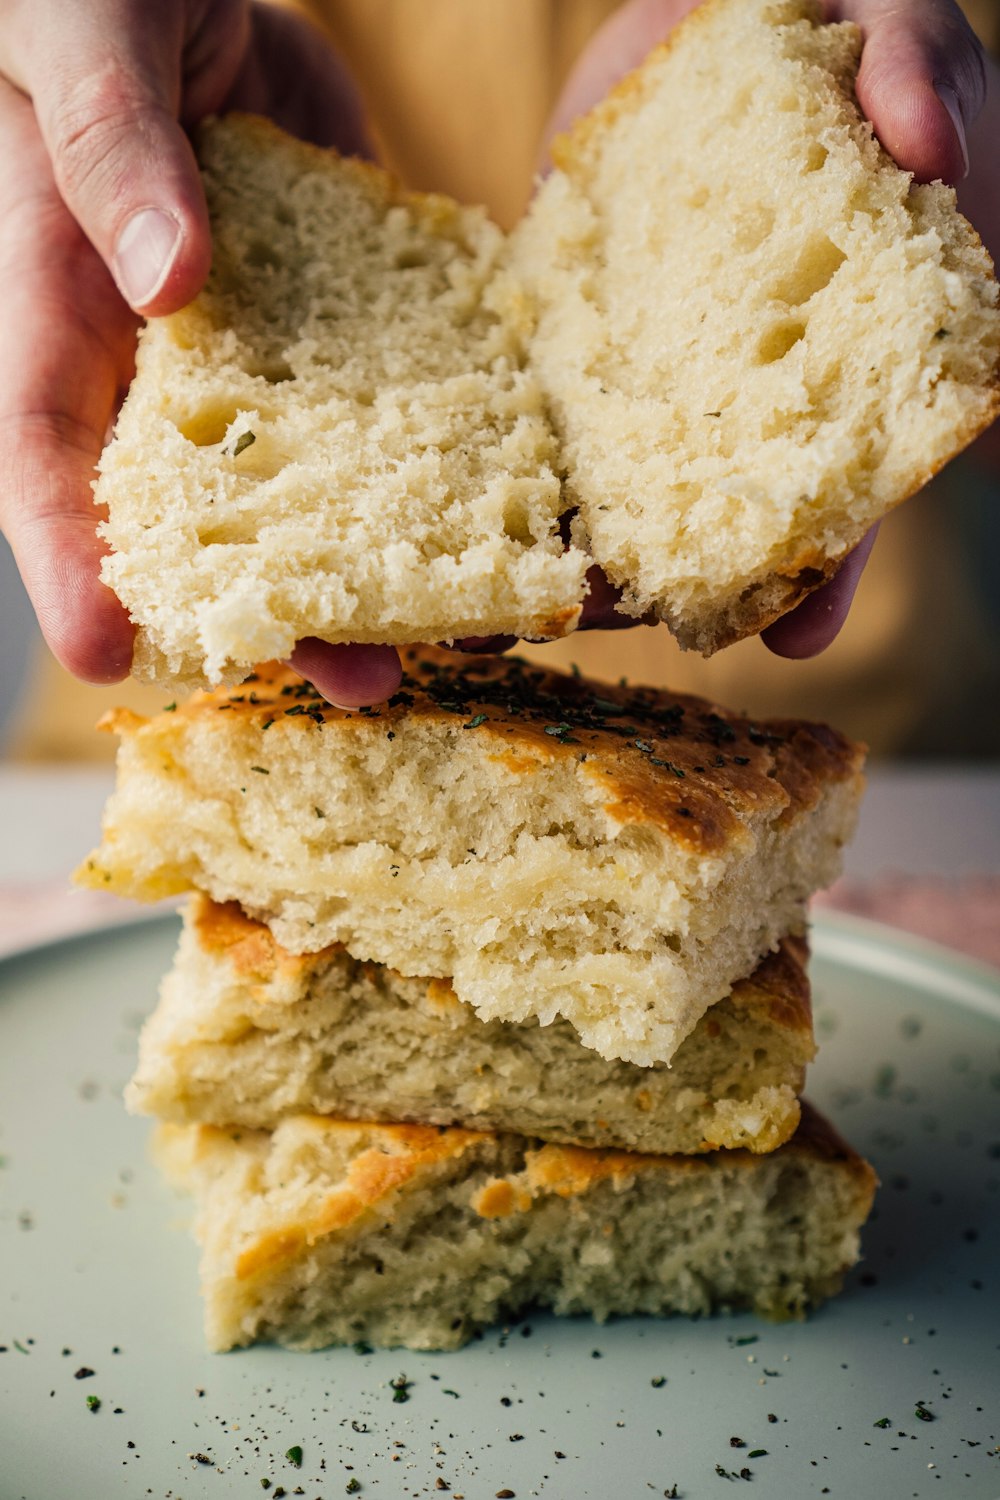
949	99
145	253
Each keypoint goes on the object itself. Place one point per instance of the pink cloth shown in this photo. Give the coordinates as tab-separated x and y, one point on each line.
44	910
962	912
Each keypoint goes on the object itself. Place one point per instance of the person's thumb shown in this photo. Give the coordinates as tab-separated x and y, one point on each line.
105	80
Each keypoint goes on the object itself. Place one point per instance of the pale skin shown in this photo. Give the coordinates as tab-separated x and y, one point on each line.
102	219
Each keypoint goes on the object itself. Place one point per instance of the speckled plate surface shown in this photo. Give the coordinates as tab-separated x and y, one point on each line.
97	1275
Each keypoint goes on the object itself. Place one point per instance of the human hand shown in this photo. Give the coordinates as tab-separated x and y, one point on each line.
102	217
922	83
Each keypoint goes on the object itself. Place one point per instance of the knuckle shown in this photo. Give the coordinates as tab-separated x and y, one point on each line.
96	119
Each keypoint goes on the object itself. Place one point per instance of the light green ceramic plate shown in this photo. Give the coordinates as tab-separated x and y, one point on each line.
97	1274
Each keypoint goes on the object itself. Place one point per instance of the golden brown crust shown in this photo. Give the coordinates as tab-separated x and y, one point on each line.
569	1171
396	1158
682	764
554	627
391	1158
223	930
779	988
779	592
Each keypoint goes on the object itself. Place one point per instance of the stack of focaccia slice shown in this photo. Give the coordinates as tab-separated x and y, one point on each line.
494	995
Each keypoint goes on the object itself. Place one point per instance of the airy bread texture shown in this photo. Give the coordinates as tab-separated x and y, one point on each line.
756	333
246	1034
615	856
731	332
328	1232
338	437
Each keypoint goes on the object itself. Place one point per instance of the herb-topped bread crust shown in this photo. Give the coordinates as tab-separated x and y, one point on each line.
246	1033
330	1231
729	335
617	856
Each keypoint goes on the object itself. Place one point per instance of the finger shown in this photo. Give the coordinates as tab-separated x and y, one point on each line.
349	676
600	608
58	555
105	79
52	417
484	645
811	626
921	81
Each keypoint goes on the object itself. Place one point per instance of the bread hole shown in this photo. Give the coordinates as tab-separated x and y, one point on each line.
810	578
698	198
233	535
816	157
776	424
209	425
815	268
741	103
517	523
284	215
260	253
411	259
752	227
275	371
642	840
775	344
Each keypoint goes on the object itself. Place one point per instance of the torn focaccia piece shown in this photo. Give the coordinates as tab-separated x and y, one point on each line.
339	437
756	333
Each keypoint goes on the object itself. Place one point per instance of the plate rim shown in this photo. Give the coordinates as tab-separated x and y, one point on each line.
879	950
